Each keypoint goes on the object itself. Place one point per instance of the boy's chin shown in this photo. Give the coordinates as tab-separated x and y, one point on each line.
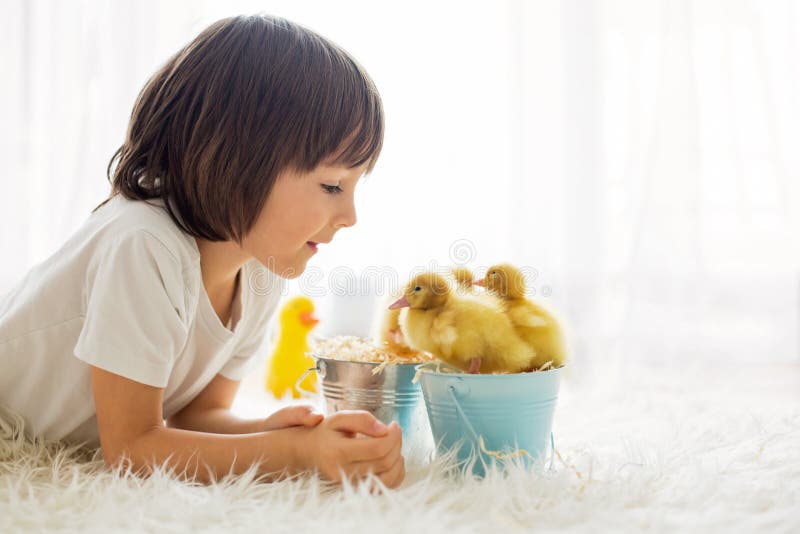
288	272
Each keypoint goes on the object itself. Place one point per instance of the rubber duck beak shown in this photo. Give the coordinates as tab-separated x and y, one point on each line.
308	319
480	283
402	302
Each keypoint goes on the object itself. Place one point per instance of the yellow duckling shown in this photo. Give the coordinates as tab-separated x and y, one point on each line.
387	329
289	359
467	288
468	333
463	278
533	323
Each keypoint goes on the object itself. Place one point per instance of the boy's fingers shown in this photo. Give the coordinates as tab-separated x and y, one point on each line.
394	476
386	462
391	476
294	416
313	419
306	415
303	408
358	422
371	450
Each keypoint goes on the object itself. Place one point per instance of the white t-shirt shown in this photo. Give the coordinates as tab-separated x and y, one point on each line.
125	293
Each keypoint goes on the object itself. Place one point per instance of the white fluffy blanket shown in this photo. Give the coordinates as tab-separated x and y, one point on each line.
696	449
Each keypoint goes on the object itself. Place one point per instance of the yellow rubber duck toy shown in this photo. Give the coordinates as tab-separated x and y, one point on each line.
289	360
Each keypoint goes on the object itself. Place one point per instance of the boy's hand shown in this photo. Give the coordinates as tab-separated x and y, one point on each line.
302	415
353	444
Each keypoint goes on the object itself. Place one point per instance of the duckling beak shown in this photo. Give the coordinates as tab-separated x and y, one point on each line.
480	283
308	319
402	302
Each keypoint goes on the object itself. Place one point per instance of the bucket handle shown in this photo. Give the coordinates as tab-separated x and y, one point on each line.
452	390
300	380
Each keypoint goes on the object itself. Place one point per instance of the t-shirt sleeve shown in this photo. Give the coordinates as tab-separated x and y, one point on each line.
251	350
134	324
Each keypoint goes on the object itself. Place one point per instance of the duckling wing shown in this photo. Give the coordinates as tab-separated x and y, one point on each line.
444	332
522	317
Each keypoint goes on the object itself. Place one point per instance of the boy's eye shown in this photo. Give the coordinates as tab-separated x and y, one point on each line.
331	189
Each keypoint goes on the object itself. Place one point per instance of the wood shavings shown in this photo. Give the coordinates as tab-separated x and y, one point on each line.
357	349
500	456
417	375
548	365
438	369
380	367
569	465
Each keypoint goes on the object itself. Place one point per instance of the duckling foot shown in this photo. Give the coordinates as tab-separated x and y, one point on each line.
475	366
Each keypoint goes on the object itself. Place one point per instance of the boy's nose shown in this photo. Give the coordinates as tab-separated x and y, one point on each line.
347	218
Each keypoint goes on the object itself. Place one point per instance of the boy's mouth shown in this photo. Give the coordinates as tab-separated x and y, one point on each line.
312	245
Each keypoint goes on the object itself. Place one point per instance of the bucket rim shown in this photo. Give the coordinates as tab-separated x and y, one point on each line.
327	359
501	376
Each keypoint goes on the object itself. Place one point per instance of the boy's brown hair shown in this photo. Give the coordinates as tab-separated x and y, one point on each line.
248	98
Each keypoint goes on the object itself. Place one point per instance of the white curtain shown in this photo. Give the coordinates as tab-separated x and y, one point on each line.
637	157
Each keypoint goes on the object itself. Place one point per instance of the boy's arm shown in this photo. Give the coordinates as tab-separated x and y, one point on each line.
210	412
130	423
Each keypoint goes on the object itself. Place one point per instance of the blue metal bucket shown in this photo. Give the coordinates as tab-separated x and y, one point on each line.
492	419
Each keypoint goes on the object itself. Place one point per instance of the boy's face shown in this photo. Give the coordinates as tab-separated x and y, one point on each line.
299	211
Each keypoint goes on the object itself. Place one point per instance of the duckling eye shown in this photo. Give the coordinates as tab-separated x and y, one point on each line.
417	288
494	272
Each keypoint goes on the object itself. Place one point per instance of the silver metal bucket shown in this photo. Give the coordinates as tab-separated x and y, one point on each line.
389	395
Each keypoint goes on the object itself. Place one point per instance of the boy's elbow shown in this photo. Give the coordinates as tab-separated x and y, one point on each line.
127	453
119	458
